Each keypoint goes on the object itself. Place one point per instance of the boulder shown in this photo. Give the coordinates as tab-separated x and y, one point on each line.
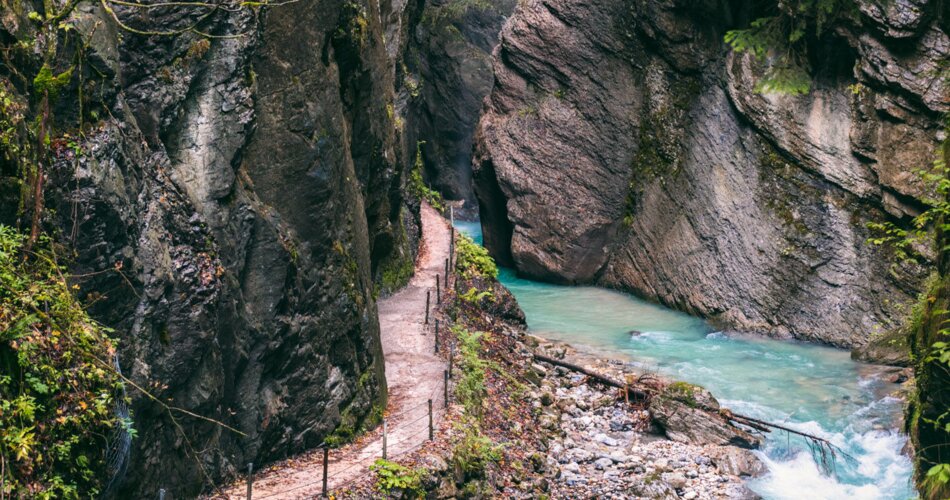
890	348
690	414
737	461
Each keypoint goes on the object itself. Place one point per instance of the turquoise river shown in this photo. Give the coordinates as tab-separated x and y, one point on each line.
815	389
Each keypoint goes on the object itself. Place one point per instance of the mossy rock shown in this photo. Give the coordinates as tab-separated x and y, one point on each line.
890	348
692	395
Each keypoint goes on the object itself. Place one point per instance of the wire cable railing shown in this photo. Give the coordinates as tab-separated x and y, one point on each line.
409	436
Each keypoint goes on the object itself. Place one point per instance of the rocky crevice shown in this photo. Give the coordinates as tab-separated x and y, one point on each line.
450	70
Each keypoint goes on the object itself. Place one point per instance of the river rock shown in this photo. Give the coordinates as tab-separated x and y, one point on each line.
677	481
606	440
688	414
654	488
737	461
603	463
889	348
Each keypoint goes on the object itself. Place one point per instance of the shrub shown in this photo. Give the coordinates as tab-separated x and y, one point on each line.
474	452
475	297
418	188
391	476
470	389
58	392
472	260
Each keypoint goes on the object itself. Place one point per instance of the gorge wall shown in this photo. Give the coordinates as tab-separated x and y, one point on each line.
449	72
231	206
624	145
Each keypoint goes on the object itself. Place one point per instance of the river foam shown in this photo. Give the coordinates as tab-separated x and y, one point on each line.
814	389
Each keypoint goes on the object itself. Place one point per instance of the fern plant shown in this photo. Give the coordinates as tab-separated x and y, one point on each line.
781	40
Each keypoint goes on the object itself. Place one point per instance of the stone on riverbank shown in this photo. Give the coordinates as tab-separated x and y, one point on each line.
689	414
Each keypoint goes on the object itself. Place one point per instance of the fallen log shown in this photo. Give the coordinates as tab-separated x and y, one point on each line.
639	393
644	393
759	424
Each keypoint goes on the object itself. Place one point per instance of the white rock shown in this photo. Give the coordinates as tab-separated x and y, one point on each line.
605	439
603	463
677	480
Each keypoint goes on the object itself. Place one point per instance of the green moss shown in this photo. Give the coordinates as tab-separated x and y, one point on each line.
397	268
198	49
775	166
351	424
446	16
683	392
659	143
351	274
397	273
46	82
417	187
355	26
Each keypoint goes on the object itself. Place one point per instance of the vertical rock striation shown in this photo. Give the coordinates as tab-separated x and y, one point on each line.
449	70
624	145
229	209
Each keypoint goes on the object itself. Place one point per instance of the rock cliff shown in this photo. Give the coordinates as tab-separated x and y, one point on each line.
449	71
232	204
624	145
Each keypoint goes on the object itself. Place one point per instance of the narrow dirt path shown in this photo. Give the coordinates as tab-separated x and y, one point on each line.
413	372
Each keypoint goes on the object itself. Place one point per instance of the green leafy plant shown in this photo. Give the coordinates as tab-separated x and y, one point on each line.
472	260
474	451
417	186
927	415
58	395
906	243
392	477
780	39
470	389
475	297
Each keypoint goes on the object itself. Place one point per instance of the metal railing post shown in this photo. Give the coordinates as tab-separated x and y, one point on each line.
431	430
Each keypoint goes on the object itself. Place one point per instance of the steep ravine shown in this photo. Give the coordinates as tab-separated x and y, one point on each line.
233	207
623	145
231	199
448	72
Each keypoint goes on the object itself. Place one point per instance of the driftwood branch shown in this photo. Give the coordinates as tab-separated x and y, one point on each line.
645	392
642	393
764	426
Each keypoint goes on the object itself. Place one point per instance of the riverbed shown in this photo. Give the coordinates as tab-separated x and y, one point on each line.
815	389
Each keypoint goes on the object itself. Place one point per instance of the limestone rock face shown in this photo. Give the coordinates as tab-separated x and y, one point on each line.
450	71
229	212
624	145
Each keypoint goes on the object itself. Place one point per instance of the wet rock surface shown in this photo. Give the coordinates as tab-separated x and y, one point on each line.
229	212
451	70
684	410
623	145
